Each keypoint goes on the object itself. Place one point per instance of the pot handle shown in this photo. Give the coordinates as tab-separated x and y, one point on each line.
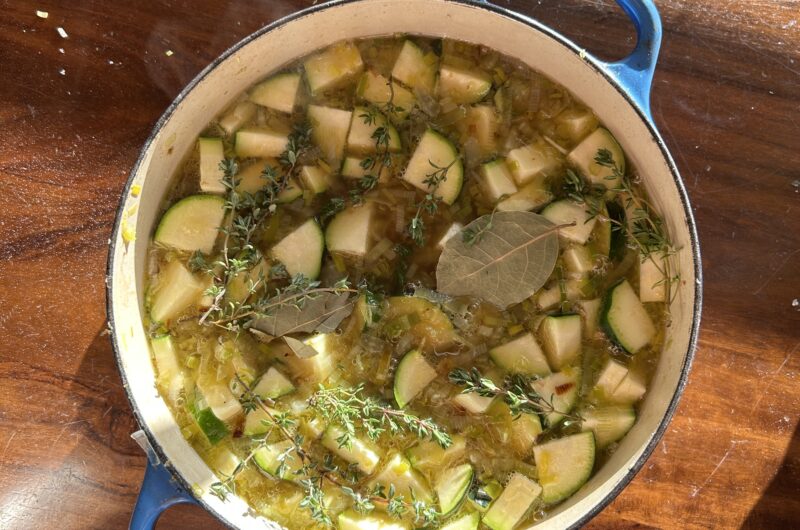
158	493
635	72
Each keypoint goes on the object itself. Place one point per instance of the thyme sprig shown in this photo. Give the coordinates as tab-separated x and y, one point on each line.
430	201
247	212
516	392
644	230
471	236
354	411
296	293
346	407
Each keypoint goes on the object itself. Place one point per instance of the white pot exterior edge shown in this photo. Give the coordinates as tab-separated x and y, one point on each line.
267	51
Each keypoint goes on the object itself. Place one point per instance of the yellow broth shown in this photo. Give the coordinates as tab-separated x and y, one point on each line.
528	109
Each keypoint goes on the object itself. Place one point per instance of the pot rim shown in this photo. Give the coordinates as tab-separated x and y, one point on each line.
532	23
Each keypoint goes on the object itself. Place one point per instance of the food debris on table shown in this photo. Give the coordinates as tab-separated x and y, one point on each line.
42	14
62	32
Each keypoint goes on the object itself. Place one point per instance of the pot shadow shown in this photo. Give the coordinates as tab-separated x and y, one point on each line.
779	505
112	465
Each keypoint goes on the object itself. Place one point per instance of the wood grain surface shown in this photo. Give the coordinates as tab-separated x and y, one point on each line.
75	111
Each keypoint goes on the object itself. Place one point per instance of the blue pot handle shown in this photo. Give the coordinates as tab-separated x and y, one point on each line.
159	492
635	72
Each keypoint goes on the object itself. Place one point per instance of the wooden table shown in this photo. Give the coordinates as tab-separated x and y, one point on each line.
75	109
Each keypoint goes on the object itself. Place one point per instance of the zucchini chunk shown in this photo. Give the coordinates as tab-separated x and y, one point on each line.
574	124
524	431
480	124
561	336
301	250
364	124
257	422
452	487
221	400
352	520
608	424
278	92
564	465
625	319
239	115
318	368
510	508
432	331
315	179
521	355
413	374
212	153
177	290
566	212
428	455
407	481
534	160
466	522
590	310
551	297
609	379
273	384
278	460
192	223
349	232
583	156
560	389
329	128
434	153
630	390
333	67
472	402
415	68
463	86
652	280
496	180
214	429
578	259
170	373
379	91
531	196
260	142
362	453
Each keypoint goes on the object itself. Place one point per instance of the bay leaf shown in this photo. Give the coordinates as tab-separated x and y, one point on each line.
300	348
322	311
512	259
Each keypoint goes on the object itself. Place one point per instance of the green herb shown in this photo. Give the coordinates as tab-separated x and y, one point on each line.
354	411
646	228
247	211
429	203
382	159
474	234
516	392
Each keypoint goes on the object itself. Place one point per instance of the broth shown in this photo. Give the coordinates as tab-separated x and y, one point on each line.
297	331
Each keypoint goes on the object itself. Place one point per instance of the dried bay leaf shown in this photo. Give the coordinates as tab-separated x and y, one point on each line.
512	259
321	312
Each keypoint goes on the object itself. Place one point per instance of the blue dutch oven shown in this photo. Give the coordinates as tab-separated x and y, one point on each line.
618	92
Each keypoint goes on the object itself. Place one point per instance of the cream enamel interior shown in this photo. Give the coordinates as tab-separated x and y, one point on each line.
320	28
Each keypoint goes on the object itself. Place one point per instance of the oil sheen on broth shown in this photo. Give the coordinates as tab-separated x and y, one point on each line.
297	332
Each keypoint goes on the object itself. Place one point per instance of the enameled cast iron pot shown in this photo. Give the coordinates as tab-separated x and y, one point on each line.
617	92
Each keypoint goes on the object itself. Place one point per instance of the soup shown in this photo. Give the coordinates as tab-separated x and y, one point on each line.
406	282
